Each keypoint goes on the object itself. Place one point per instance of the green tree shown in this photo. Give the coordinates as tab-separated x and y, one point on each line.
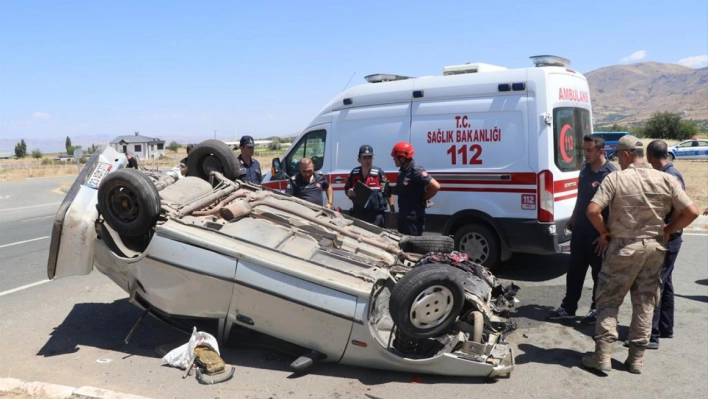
21	149
67	144
274	144
92	149
174	146
668	126
37	153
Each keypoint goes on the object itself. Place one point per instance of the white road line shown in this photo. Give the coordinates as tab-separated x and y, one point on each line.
28	207
22	242
41	217
695	234
23	287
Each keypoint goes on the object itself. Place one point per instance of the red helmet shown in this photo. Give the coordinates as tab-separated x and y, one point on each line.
403	149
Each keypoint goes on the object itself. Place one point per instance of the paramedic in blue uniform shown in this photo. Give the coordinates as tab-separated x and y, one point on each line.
583	251
308	184
414	188
249	168
374	178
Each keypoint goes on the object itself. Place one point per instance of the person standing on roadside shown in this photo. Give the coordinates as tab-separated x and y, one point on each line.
414	188
375	178
663	321
633	237
249	168
308	184
583	251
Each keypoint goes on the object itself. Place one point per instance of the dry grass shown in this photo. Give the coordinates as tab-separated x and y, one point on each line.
20	169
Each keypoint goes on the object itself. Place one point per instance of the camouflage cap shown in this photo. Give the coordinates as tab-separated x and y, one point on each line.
628	143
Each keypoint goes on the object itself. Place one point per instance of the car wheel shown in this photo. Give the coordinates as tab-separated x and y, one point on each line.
426	301
613	156
672	156
480	244
209	156
425	244
129	202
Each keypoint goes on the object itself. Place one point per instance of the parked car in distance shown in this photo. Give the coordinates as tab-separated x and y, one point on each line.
689	149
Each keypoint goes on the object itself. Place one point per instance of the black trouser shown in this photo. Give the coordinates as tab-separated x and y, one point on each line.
663	321
375	218
411	222
582	254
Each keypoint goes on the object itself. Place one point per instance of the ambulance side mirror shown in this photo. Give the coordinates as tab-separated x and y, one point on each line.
276	170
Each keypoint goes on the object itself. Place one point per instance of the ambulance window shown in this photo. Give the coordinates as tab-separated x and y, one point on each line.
312	145
569	127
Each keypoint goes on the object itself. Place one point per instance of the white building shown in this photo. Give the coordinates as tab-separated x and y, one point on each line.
141	146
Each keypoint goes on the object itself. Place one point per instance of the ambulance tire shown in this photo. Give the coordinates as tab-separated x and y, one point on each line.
426	301
129	202
480	243
425	244
212	155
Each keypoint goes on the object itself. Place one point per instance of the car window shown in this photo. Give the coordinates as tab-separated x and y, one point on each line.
311	145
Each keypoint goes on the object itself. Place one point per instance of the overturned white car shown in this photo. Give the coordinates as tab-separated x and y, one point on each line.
206	246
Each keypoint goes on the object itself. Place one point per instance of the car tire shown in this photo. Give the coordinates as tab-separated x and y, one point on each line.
426	301
480	244
129	202
613	156
212	155
672	156
425	244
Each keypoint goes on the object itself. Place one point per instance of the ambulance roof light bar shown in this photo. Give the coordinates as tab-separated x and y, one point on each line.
384	77
476	67
550	60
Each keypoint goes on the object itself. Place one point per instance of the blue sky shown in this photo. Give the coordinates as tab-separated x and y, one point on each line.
186	68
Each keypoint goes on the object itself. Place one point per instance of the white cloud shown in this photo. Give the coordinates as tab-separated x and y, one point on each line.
41	115
636	56
698	61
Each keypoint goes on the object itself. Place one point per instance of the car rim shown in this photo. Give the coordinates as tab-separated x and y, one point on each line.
124	204
211	164
475	246
431	307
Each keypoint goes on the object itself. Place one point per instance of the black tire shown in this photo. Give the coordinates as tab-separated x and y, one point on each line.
613	156
434	288
480	243
212	155
672	156
129	202
425	244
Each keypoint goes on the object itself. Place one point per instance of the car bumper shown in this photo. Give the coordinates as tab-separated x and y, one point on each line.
533	237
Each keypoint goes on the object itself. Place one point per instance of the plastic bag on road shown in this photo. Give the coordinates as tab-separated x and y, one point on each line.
181	356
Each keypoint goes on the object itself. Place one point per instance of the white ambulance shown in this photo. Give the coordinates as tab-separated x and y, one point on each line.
505	145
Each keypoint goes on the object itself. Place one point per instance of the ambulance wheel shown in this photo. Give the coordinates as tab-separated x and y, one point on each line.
425	244
129	202
480	244
426	301
212	155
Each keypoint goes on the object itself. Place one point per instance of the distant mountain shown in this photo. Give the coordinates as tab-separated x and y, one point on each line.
631	93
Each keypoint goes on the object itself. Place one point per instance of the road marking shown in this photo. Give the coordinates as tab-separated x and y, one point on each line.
695	234
22	242
23	287
28	207
41	217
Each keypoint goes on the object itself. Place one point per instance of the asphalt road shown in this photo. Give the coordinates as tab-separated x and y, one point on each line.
70	331
27	210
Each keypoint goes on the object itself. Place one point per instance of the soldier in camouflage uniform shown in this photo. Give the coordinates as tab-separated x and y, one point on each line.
639	198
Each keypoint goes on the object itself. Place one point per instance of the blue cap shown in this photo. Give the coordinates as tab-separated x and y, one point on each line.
247	141
366	151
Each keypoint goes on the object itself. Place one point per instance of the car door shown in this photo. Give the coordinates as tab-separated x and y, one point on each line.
312	144
270	300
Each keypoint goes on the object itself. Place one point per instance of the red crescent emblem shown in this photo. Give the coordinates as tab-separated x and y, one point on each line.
566	144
